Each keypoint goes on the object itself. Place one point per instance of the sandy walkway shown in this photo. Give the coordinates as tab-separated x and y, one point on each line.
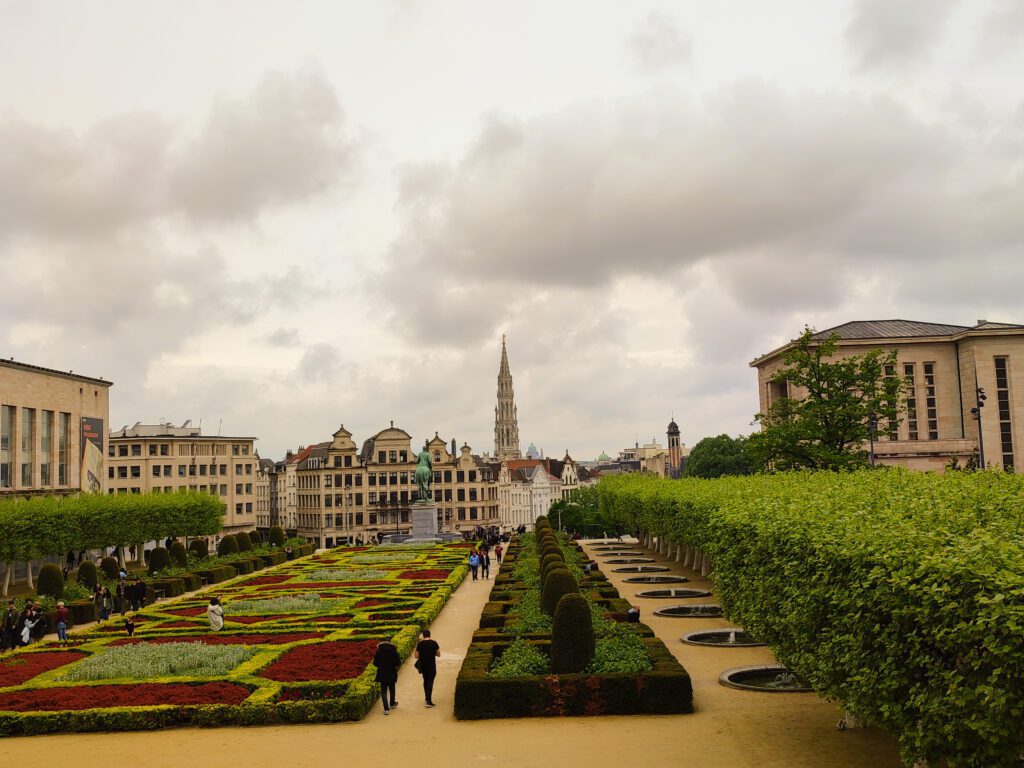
731	729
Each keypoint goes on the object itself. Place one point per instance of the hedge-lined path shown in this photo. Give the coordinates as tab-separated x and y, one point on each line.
729	730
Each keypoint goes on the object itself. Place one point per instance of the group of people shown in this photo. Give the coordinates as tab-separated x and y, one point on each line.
22	627
387	661
480	560
126	596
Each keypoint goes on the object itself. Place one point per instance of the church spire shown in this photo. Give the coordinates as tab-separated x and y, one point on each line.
506	418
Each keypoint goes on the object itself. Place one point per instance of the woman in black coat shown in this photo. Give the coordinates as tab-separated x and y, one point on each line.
387	661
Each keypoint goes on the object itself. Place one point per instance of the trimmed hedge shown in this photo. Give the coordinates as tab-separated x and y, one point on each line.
111	568
228	545
179	555
199	548
159	558
276	536
244	542
87	574
50	581
572	635
559	582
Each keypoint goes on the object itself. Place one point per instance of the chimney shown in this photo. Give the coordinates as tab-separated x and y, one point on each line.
982	322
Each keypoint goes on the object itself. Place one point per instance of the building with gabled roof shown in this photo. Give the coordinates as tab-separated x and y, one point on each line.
949	371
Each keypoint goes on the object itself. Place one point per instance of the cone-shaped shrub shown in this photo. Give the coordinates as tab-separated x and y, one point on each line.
559	582
110	567
159	559
548	559
255	538
572	635
244	542
51	581
548	569
179	555
276	535
87	574
199	548
228	545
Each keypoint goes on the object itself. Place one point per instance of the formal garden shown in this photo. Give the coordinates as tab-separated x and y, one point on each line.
296	645
555	639
898	595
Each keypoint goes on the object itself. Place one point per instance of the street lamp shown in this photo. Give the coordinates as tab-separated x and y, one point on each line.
979	399
872	425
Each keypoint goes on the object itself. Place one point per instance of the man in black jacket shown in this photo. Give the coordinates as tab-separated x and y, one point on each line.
10	627
387	661
427	651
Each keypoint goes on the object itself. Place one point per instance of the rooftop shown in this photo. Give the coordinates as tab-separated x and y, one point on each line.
12	363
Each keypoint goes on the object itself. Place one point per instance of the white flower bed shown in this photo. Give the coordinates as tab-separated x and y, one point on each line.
146	661
309	603
366	574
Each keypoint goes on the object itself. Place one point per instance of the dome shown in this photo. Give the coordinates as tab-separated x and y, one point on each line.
673	428
532	452
604	457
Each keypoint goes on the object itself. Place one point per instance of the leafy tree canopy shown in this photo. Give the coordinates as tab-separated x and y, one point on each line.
831	404
718	457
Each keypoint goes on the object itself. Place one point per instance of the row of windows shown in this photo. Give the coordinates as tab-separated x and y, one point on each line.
184	449
184	470
1003	404
20	428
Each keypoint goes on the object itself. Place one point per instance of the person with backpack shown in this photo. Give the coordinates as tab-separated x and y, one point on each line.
387	661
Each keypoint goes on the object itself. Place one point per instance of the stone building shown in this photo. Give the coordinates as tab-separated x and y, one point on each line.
528	487
52	431
948	370
506	415
163	458
346	493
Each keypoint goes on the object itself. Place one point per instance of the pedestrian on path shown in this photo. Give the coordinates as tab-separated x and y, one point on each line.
9	639
498	552
387	661
427	651
62	623
485	564
215	612
474	564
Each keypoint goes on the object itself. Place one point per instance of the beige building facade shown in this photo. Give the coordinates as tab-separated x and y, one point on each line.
162	458
347	493
52	431
948	370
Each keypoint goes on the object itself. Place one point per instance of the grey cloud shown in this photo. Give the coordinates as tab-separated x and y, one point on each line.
282	337
323	363
884	33
1005	23
659	43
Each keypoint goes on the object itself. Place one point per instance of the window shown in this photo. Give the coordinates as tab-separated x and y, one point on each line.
248	469
359	481
381	457
156	470
238	469
223	490
28	442
46	449
238	509
181	470
122	450
1003	403
122	472
165	449
136	449
460	476
392	456
328	481
328	500
382	478
447	494
191	470
472	494
461	494
930	402
359	499
472	475
235	449
167	470
153	449
404	497
136	470
908	374
245	450
110	473
373	498
393	478
437	455
447	475
223	469
248	487
403	478
348	461
403	456
371	479
238	488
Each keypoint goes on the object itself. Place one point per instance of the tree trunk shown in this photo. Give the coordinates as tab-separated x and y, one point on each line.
7	577
679	553
140	558
28	575
120	558
705	568
850	721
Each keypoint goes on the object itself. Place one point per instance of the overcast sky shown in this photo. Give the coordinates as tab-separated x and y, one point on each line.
279	217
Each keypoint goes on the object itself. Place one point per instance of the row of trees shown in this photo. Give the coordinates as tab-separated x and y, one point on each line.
50	527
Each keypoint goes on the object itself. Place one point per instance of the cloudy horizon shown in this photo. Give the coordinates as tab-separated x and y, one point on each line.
279	218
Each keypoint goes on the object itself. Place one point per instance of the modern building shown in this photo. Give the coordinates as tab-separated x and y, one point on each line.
163	458
346	493
949	371
506	416
52	431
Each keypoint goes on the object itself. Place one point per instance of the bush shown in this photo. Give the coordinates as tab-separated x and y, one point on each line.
228	545
159	558
558	584
552	558
178	554
520	658
87	574
199	548
572	635
276	536
50	581
244	542
110	567
255	539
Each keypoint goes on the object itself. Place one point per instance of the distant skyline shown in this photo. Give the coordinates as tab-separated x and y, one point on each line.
282	217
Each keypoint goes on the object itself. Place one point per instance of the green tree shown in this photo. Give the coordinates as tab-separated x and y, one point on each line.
718	457
840	399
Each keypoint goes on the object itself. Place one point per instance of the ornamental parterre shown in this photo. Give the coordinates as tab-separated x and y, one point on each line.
308	666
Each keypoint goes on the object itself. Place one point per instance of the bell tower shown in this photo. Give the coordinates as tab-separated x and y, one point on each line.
506	419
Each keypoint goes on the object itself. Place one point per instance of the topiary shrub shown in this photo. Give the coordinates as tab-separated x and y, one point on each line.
276	536
552	558
87	574
159	559
255	538
178	553
572	635
228	545
559	582
199	548
244	542
50	581
546	571
110	568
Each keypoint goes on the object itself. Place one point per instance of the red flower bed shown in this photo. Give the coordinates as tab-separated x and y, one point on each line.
177	625
396	616
336	660
184	612
370	602
315	585
218	639
135	695
277	579
343	618
424	575
22	667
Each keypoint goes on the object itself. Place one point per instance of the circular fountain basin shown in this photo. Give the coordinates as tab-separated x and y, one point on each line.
764	679
628	560
605	542
656	580
623	553
641	569
700	611
721	638
676	592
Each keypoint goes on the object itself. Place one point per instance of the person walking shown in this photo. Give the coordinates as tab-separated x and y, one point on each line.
121	596
62	623
137	595
387	661
498	552
29	620
129	625
9	636
474	563
215	612
106	603
485	563
427	651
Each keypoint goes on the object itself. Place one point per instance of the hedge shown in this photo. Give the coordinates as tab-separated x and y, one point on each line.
897	594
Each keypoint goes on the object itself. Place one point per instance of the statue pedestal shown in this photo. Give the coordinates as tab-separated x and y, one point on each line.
424	521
